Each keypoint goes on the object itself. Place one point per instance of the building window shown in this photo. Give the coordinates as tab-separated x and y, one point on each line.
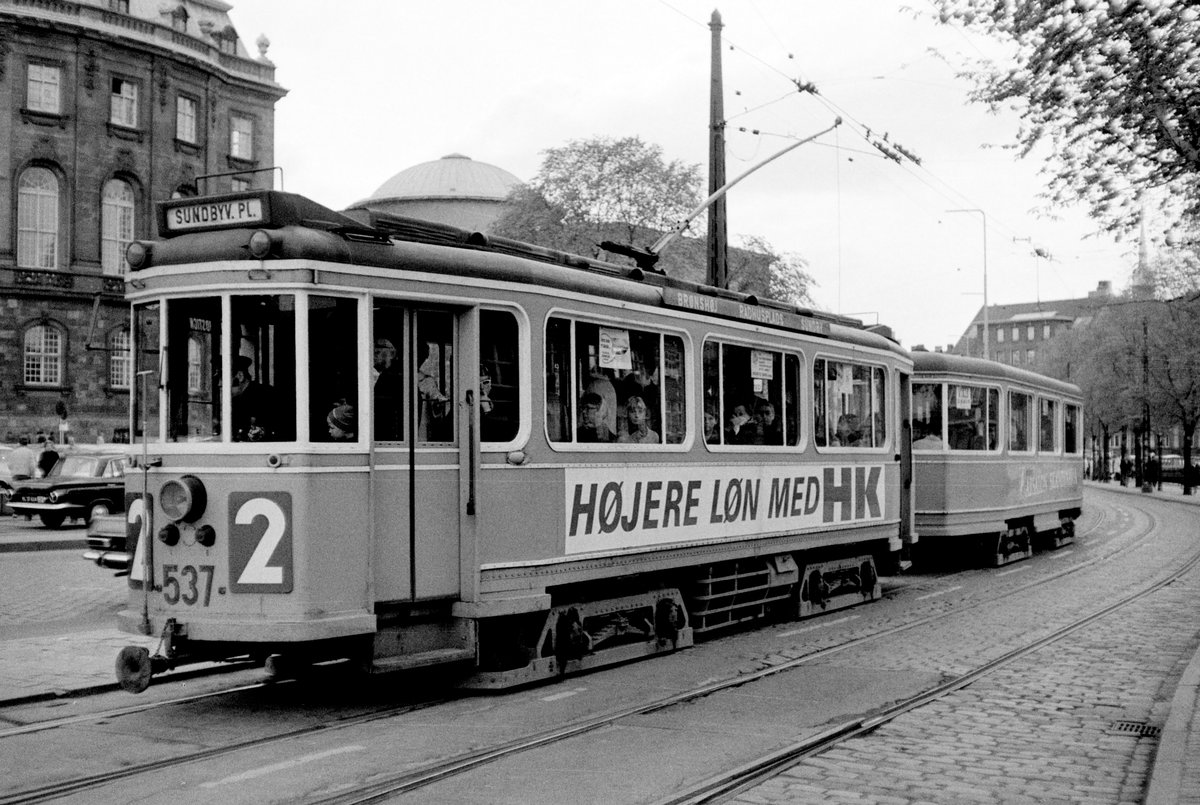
185	119
116	226
120	362
1016	357
1030	333
43	359
239	185
1030	357
241	137
1046	332
37	219
1016	333
999	335
124	103
43	89
119	6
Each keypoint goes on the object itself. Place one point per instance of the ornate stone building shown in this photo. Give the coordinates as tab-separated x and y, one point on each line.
106	107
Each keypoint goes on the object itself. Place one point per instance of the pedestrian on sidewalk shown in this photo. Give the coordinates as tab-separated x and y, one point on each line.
48	458
21	461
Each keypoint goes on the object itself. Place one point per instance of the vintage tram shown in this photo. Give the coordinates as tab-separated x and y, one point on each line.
997	457
368	437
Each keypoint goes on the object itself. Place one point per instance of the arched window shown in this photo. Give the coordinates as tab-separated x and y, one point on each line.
120	362
37	219
43	356
116	225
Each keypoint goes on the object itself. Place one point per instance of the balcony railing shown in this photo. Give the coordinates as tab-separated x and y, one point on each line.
141	30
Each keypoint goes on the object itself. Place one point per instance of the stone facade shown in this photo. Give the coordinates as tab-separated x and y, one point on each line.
99	97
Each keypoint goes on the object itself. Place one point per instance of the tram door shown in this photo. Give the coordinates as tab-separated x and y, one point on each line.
415	428
904	453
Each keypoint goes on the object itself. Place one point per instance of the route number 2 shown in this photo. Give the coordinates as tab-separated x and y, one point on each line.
260	542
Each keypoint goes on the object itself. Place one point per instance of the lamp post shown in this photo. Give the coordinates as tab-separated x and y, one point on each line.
986	333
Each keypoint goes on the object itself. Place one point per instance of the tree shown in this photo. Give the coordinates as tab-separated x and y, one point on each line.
1112	86
590	191
592	186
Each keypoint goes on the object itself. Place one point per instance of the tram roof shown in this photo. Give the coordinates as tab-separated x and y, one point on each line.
302	228
944	363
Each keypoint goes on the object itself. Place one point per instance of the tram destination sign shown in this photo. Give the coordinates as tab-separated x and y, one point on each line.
213	214
732	309
641	508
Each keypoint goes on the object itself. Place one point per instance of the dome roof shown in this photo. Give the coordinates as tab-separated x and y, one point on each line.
452	176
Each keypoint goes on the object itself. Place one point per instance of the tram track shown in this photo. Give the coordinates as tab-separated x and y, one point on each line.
432	773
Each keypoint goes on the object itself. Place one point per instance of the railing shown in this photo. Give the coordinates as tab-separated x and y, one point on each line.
142	30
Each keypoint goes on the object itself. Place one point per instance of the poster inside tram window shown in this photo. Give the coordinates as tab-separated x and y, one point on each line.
608	509
614	349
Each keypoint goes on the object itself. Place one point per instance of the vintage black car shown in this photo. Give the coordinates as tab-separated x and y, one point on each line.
81	486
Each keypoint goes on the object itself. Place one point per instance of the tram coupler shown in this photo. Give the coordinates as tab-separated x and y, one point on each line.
135	666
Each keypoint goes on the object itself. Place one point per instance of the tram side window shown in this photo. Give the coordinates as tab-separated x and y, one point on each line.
608	384
971	417
1020	418
499	376
850	404
1070	429
388	359
333	369
263	384
146	359
435	376
748	400
1048	425
193	365
927	416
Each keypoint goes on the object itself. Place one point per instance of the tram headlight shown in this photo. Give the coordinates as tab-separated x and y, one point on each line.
261	244
137	254
183	498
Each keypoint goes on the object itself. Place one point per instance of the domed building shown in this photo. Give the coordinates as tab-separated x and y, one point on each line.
454	190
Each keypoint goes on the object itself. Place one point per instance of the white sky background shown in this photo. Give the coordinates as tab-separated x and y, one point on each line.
377	86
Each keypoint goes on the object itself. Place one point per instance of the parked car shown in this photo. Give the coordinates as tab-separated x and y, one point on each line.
81	486
5	479
106	543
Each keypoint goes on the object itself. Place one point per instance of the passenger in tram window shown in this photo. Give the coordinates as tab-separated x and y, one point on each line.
848	433
931	440
601	385
740	426
251	402
388	385
766	425
711	422
637	423
592	420
343	423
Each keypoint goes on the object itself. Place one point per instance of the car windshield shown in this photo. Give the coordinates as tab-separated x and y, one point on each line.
76	467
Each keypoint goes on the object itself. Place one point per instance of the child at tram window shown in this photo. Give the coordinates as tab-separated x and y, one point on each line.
637	423
343	423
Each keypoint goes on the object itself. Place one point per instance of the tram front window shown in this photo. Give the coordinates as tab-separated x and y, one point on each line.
147	372
193	369
263	368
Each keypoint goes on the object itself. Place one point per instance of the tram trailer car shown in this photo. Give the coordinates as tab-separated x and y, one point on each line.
997	456
404	444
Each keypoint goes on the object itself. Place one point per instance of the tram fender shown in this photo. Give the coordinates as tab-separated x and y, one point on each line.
497	607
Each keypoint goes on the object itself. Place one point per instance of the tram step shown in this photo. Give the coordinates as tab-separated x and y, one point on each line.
421	659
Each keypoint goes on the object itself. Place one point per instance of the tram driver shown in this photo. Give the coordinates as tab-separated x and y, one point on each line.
251	402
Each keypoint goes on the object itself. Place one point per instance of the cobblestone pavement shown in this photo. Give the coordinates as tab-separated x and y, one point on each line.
1063	725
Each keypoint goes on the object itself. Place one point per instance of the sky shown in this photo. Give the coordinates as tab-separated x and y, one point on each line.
377	86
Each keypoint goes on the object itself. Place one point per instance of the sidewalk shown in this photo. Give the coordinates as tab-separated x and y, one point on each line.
1175	776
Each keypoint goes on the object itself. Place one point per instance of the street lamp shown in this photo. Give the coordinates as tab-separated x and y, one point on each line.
986	334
